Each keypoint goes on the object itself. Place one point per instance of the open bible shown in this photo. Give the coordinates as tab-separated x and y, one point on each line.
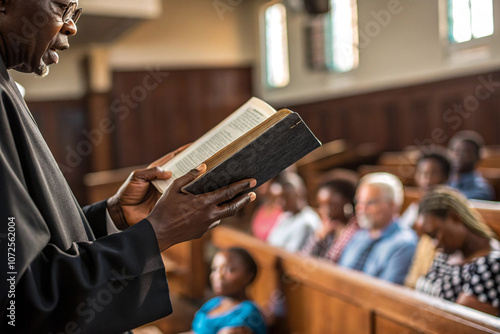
255	141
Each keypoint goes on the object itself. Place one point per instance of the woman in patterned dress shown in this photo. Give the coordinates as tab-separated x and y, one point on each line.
466	269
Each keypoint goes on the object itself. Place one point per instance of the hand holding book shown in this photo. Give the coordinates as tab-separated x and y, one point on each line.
253	142
178	217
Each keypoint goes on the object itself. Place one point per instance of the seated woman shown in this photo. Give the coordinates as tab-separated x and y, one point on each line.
269	210
230	312
474	280
336	210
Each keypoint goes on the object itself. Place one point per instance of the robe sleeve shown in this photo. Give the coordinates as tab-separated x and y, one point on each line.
96	215
110	285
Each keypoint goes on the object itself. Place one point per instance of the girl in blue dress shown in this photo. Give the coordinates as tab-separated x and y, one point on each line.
230	312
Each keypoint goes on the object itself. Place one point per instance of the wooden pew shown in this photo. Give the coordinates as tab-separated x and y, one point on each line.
186	268
492	175
323	298
332	155
398	158
490	211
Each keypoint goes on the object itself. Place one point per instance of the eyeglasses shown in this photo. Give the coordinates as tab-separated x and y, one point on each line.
72	12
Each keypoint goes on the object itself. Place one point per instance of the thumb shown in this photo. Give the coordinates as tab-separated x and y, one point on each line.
191	175
150	174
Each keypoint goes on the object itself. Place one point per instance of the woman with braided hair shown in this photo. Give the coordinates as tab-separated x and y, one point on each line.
474	279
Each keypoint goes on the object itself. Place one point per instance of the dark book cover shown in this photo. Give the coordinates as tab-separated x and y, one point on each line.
266	156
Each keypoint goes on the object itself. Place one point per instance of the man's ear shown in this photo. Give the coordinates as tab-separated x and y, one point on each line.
3	4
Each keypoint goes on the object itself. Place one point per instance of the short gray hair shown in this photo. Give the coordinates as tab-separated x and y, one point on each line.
388	183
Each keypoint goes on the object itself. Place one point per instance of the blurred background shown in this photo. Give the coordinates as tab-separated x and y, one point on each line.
143	78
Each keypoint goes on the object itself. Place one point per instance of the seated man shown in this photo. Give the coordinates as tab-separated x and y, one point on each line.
432	169
465	148
381	248
298	221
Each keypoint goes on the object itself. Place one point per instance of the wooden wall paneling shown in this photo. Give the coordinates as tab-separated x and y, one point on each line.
100	130
127	143
62	124
378	127
332	122
417	118
169	112
70	126
488	121
392	115
185	105
428	102
46	119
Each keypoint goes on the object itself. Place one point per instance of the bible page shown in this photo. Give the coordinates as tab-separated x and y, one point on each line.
245	118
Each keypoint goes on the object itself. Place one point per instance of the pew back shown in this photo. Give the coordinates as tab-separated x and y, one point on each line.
323	298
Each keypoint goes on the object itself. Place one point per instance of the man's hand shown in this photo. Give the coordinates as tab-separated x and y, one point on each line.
179	217
137	196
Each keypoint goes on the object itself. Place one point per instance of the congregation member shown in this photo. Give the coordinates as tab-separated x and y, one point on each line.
298	220
465	147
381	248
269	209
433	169
473	279
231	311
338	223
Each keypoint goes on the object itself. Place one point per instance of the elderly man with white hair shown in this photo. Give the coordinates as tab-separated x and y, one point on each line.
381	248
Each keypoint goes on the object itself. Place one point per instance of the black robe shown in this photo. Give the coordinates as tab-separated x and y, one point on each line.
69	276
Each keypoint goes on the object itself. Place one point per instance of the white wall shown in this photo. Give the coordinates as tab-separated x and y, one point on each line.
411	48
190	33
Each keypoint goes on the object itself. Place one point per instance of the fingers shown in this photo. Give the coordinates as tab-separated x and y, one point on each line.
231	208
229	192
167	157
150	174
190	176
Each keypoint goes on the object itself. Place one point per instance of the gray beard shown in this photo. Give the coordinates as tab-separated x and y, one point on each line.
364	222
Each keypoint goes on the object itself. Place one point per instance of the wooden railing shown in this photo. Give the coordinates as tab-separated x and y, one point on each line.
320	297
